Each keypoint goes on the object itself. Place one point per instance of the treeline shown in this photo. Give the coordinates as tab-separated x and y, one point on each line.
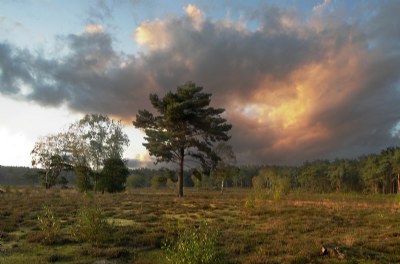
375	173
164	177
26	176
11	175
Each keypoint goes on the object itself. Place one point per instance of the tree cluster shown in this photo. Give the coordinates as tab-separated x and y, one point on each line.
91	147
375	173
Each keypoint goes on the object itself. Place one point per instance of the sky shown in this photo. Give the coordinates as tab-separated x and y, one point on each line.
299	80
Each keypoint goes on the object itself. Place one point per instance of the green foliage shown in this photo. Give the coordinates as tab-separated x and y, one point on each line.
135	181
314	176
258	194
91	226
280	187
97	138
87	143
113	175
277	180
185	126
49	225
258	183
158	181
50	153
193	245
103	136
196	181
63	182
83	175
171	184
225	168
245	175
271	182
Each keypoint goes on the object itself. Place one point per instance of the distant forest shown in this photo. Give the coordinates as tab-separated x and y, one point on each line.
374	173
24	176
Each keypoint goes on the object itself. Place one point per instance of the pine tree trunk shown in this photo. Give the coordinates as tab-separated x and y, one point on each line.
180	176
392	187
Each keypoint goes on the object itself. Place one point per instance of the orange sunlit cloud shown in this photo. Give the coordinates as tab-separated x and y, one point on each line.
289	107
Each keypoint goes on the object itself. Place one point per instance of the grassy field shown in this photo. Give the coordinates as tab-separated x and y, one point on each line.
249	228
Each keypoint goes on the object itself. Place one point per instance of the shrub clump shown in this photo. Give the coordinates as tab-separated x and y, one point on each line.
193	245
91	226
49	225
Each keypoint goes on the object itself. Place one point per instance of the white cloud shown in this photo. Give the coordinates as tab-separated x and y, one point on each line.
195	14
321	7
94	28
152	35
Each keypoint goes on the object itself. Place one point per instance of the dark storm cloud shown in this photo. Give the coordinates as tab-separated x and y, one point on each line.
14	66
293	89
91	78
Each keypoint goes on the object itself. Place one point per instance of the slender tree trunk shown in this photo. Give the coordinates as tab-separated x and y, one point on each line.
95	183
222	186
393	185
46	184
398	182
96	176
180	176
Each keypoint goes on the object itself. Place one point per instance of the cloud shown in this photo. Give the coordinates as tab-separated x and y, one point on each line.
100	11
94	28
293	90
195	14
152	35
321	7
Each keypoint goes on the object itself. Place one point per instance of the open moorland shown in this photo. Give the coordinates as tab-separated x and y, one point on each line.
141	226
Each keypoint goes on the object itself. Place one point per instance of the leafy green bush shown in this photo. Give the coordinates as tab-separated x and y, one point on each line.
91	226
83	176
49	225
280	187
272	181
258	183
135	181
113	176
158	182
193	245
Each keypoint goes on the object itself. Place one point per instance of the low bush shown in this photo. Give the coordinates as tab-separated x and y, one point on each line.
193	245
91	226
49	225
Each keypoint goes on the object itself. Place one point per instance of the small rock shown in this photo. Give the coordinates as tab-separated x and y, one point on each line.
332	251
